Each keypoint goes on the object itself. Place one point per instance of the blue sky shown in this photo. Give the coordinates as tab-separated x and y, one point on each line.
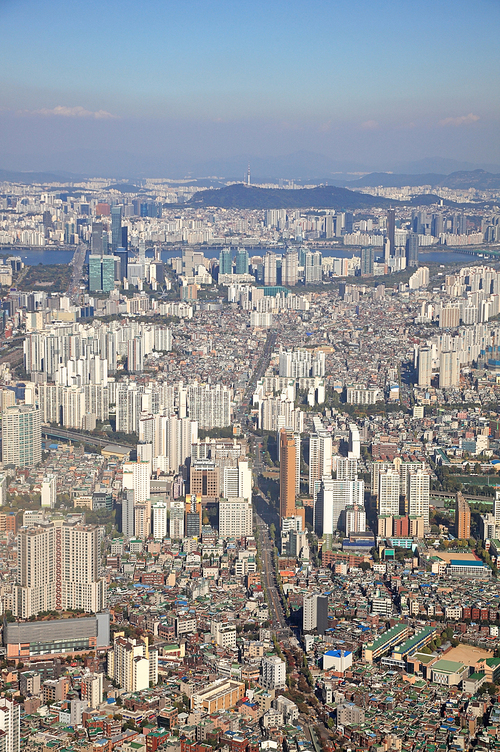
367	81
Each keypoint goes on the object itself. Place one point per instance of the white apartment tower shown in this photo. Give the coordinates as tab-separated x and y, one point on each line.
10	724
159	512
424	366
418	494
320	457
273	672
21	436
48	491
388	492
58	569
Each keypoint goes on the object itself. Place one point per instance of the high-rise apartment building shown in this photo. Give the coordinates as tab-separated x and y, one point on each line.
10	725
159	513
462	518
391	230
315	613
424	366
132	664
91	689
449	369
58	569
288	460
273	674
209	405
388	492
418	494
320	458
137	477
177	514
48	491
367	262
290	268
331	501
21	436
270	269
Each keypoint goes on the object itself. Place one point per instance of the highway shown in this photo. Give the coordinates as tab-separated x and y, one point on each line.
77	273
276	613
257	374
78	436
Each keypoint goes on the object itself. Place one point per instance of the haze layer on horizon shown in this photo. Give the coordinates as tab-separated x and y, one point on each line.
179	86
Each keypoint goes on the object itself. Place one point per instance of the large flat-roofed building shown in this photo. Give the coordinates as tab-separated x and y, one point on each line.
220	695
413	644
386	641
466	568
38	638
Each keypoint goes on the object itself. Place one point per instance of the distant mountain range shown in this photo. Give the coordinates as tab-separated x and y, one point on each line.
463	179
240	196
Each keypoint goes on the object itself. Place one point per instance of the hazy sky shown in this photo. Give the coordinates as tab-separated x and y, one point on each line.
365	81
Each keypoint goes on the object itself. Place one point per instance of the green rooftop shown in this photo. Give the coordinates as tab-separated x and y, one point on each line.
412	642
387	636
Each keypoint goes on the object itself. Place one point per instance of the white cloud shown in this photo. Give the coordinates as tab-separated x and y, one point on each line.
72	112
369	125
461	120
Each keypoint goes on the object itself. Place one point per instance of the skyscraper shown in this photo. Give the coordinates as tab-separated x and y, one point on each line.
462	518
21	436
288	459
101	273
391	230
116	227
367	262
96	239
313	273
290	268
241	261
127	526
449	369
424	366
412	250
225	261
270	269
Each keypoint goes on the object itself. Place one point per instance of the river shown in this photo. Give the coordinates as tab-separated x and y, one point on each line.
36	256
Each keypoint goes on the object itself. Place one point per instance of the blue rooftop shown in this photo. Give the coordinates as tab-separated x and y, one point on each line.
337	653
466	563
